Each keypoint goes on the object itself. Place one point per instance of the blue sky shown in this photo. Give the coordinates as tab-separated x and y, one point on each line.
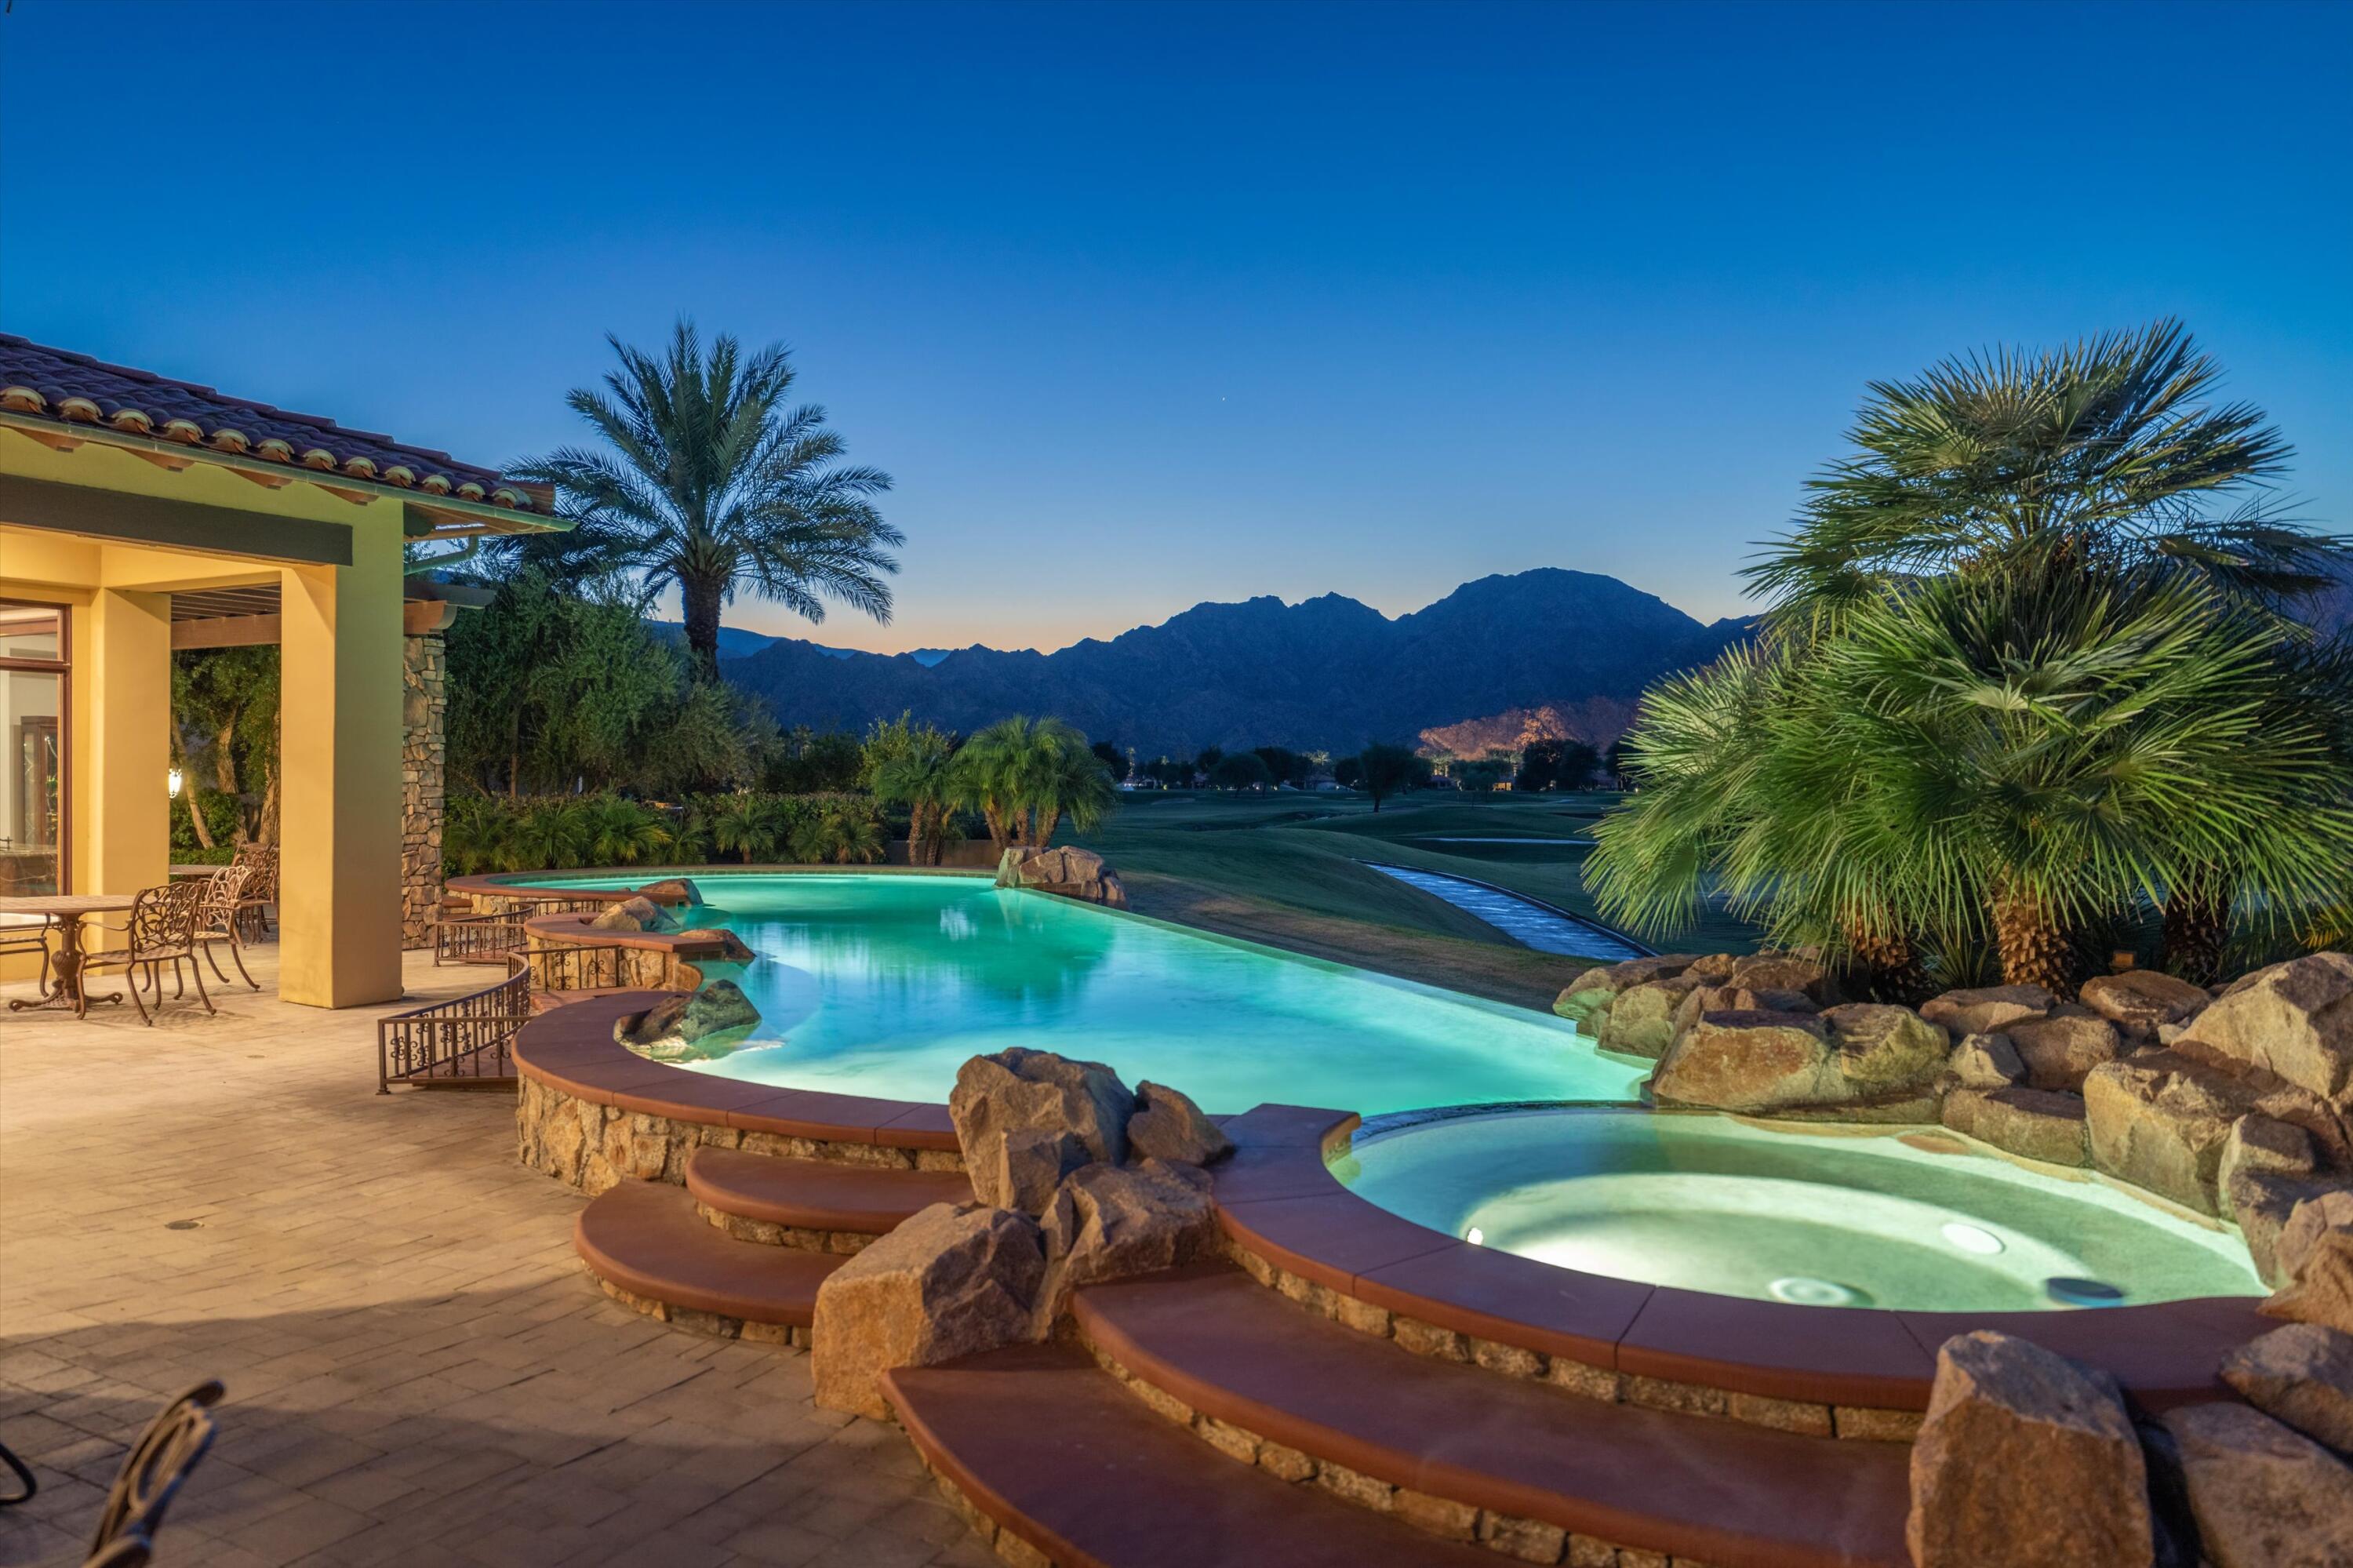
1145	305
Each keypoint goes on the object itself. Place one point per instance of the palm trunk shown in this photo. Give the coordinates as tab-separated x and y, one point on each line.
1887	966
224	760
2034	949
2197	924
700	600
1043	833
1000	837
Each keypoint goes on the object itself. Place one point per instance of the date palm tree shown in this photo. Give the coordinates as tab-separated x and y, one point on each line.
709	481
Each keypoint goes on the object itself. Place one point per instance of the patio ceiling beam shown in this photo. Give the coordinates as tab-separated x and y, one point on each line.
184	525
226	631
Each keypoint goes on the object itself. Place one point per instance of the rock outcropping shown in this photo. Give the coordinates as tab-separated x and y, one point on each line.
1072	873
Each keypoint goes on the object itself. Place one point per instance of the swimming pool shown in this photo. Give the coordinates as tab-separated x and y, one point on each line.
885	984
1832	1217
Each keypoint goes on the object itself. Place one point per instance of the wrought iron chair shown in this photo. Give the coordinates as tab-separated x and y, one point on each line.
151	1478
27	934
216	919
162	930
261	886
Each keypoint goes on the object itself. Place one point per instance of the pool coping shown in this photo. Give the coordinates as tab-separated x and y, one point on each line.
1280	1199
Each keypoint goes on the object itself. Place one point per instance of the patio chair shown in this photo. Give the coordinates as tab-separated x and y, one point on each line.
216	919
27	934
162	930
151	1476
261	886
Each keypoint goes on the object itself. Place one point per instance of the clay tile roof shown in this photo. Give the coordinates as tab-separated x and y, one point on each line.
74	389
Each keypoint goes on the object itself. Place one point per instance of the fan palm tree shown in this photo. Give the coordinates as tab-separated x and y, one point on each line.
915	767
709	481
1024	776
744	825
2107	453
2105	461
1988	759
622	833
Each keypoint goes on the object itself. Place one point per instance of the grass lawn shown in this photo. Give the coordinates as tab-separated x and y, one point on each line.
1290	870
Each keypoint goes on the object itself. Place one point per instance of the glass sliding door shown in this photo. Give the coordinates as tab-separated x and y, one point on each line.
34	670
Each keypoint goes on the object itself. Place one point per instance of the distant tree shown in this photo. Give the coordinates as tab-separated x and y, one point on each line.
1578	764
1348	772
1539	766
1112	759
1478	775
1621	775
1390	770
1242	770
1283	765
707	479
1207	761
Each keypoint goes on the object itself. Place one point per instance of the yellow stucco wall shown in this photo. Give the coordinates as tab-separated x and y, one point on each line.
340	717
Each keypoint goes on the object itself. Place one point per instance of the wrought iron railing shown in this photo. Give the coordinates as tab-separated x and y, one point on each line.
566	966
464	1039
476	939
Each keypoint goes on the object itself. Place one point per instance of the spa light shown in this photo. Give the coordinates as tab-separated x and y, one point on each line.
1968	1238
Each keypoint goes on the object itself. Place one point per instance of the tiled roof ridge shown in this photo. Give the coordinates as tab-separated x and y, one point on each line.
46	372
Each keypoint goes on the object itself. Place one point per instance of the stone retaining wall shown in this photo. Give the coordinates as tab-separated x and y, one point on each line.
594	1147
424	673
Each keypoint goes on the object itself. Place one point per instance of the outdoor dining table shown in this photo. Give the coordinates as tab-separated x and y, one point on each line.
65	911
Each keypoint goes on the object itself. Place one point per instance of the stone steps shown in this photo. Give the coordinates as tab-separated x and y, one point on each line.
1048	1449
648	1244
816	1194
1476	1454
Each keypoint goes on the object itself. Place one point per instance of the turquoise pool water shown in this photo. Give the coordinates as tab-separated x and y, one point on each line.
1909	1221
883	985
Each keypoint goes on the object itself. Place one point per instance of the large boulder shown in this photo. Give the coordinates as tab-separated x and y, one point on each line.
2314	1218
729	947
670	890
2140	1001
2320	1284
1020	1089
683	1026
1749	1062
2303	1375
2025	1459
2263	1495
2060	1050
1108	1222
1761	1060
1641	1020
2034	1124
1072	873
2293	1019
2158	1120
1591	992
1784	972
1987	1061
1168	1125
1023	1168
950	1280
634	914
1987	1010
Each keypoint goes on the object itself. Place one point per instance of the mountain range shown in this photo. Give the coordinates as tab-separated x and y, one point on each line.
1507	657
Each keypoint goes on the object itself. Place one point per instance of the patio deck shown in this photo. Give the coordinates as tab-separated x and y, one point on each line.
419	1371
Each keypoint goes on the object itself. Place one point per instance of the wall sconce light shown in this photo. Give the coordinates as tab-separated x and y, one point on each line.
172	783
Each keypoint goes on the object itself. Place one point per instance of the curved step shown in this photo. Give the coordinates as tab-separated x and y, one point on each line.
818	1195
1728	1494
1050	1448
646	1237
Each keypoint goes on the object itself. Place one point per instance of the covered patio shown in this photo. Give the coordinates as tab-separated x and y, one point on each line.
140	516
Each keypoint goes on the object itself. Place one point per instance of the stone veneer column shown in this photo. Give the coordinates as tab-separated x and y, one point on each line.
424	679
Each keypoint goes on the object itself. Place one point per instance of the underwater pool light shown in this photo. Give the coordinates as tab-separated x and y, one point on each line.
1475	1236
1970	1238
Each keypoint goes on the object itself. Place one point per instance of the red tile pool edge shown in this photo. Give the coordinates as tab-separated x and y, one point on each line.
1279	1199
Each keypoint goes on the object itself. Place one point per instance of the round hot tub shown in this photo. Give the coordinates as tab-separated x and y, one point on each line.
1914	1220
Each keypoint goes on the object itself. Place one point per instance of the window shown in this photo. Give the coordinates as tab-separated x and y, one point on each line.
35	652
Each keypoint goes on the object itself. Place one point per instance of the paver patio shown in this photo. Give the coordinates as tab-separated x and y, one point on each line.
418	1369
